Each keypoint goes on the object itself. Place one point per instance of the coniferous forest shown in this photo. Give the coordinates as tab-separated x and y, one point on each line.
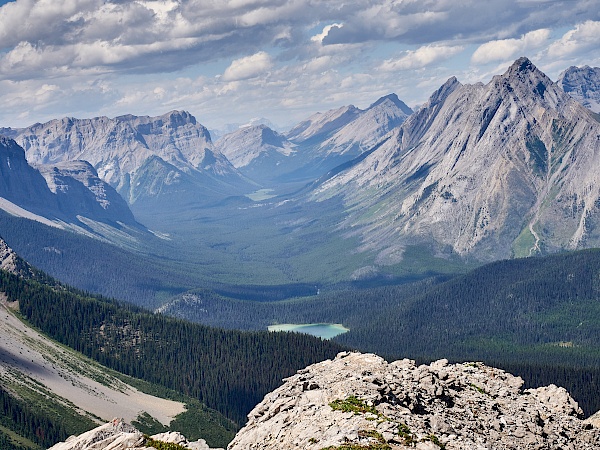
229	371
534	317
31	424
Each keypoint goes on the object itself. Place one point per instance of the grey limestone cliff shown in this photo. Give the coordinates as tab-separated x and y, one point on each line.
121	149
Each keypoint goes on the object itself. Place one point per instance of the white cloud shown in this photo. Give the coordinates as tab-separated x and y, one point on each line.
131	56
423	56
248	67
319	37
585	36
505	49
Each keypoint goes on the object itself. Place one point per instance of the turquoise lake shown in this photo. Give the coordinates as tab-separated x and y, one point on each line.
322	330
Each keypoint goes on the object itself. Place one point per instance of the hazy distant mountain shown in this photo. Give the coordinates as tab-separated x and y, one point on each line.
64	195
368	128
583	84
20	183
320	126
81	193
256	151
326	140
218	133
506	168
120	150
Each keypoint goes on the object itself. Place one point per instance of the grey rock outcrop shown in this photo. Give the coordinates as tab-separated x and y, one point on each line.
119	435
8	258
115	435
361	400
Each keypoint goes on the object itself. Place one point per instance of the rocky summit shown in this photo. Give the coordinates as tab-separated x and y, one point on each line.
359	401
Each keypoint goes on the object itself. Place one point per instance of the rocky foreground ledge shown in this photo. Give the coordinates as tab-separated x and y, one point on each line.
118	435
359	401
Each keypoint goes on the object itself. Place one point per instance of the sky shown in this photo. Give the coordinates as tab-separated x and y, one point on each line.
229	61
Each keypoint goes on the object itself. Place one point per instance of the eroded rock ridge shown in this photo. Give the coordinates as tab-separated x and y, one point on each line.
361	401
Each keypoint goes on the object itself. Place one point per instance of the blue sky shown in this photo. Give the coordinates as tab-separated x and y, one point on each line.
230	61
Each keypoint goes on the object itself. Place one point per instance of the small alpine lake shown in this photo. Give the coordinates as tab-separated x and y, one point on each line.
322	330
261	194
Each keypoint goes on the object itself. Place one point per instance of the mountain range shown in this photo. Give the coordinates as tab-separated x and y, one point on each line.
67	195
479	172
314	146
583	84
164	159
507	168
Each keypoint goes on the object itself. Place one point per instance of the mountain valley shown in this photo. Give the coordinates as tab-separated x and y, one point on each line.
464	229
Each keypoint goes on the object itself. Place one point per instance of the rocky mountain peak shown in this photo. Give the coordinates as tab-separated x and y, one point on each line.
321	125
523	70
120	149
10	148
393	99
271	137
488	170
361	401
583	84
522	64
443	91
255	150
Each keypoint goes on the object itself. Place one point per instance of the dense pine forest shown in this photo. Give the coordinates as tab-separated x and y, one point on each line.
536	317
92	265
230	371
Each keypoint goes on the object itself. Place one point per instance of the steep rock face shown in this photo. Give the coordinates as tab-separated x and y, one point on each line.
80	191
119	147
507	168
583	84
367	129
20	183
319	126
362	400
326	141
64	195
